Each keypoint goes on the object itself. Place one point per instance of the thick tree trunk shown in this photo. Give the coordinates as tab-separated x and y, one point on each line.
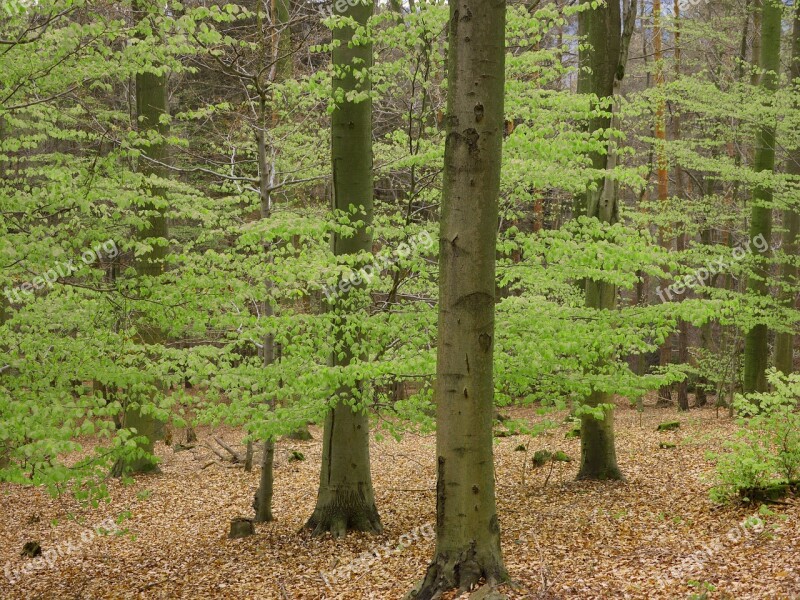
756	350
598	66
784	342
467	527
346	499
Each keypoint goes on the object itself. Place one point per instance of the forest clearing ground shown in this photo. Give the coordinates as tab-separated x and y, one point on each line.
568	539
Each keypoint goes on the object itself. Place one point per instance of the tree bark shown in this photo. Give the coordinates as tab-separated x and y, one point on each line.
607	60
784	341
598	60
680	245
665	352
346	500
467	527
756	350
281	48
151	105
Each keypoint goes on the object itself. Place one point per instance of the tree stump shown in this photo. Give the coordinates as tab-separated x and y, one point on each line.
241	527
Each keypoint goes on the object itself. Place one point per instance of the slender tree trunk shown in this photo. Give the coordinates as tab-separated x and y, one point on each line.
756	351
467	527
706	329
784	342
683	326
758	13
263	499
665	352
606	56
346	500
281	48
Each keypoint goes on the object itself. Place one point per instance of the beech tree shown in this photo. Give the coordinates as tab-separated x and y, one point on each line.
605	56
784	341
467	527
346	500
756	349
152	112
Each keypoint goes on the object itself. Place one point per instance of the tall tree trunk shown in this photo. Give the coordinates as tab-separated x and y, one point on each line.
756	351
598	59
680	246
606	56
665	352
281	48
784	342
758	13
467	527
706	329
346	500
151	105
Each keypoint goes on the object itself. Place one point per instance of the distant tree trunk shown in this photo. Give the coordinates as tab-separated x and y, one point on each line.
665	352
281	48
706	329
606	56
683	326
467	527
758	11
151	105
756	350
346	500
784	342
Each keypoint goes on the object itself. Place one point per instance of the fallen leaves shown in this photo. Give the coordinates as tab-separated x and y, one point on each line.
567	539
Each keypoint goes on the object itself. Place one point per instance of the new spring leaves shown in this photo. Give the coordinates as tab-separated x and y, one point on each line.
107	249
421	242
704	274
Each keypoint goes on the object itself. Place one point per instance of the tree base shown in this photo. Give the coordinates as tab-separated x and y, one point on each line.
461	573
342	513
138	467
600	473
263	510
301	434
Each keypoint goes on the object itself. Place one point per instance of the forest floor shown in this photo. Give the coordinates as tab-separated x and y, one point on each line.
656	535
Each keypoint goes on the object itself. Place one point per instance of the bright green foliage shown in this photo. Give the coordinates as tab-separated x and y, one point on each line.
70	353
766	451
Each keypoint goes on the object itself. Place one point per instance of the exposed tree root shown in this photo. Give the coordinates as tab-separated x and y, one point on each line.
342	511
462	573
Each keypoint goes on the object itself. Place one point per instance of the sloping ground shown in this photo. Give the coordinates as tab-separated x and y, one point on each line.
655	536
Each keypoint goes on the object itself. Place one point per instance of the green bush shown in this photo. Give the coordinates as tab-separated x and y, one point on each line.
766	451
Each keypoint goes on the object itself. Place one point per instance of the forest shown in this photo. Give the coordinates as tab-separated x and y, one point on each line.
399	299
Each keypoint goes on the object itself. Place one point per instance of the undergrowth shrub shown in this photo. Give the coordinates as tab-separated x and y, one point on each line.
764	457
